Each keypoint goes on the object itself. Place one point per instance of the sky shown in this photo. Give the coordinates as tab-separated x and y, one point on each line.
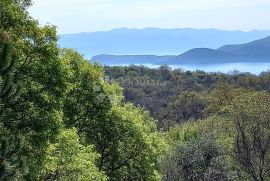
74	16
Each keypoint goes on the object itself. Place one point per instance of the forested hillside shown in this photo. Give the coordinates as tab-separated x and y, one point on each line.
63	118
175	95
215	124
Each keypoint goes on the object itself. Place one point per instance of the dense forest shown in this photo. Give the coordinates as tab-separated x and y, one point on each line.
176	96
65	118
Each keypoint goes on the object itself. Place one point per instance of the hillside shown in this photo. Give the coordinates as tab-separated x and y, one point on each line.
253	49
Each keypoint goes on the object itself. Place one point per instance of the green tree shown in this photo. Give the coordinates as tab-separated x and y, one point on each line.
69	160
129	145
89	97
221	97
184	107
124	136
250	114
8	87
37	114
11	163
197	159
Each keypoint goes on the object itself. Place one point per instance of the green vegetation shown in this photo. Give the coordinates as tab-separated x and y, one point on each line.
67	159
11	164
197	159
215	124
181	96
67	123
61	119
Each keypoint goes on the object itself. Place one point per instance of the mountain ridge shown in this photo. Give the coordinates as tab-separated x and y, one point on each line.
154	41
254	51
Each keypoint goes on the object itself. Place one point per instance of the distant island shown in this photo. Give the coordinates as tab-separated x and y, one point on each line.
257	51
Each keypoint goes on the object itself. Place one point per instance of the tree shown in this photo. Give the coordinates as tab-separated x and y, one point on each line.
221	97
196	159
11	163
37	114
165	72
218	98
68	159
89	97
250	114
124	135
8	87
187	106
129	145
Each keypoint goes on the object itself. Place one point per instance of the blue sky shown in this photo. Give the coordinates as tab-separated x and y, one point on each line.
73	16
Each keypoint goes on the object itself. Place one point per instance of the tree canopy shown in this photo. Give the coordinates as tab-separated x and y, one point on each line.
65	118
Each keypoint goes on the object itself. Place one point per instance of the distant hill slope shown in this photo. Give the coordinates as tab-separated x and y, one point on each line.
201	55
154	41
255	51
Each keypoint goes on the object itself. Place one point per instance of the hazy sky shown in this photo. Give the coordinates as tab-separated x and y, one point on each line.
71	16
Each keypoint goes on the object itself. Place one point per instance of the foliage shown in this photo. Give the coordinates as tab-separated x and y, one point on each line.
88	97
11	144
173	82
37	112
124	136
8	84
12	165
70	123
129	145
197	159
68	159
250	114
187	106
182	133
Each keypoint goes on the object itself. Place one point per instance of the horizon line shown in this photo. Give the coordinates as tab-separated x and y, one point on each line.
145	28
